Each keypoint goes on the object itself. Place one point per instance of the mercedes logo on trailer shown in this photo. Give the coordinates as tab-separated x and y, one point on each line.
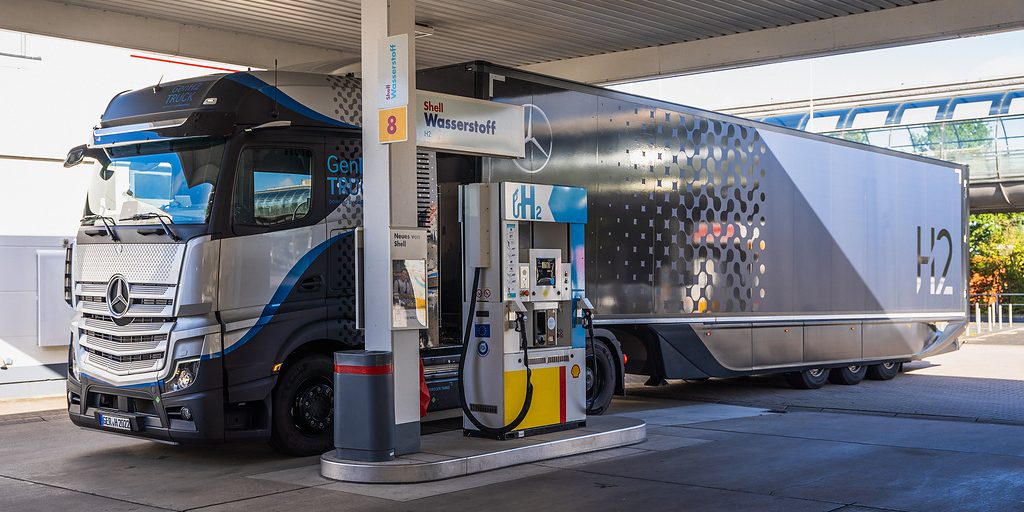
117	296
538	140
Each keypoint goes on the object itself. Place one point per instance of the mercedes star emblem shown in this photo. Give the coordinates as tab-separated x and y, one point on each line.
538	140
117	296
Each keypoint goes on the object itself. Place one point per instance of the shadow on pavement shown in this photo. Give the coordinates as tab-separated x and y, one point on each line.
909	394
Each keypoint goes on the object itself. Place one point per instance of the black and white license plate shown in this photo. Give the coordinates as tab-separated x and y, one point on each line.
115	422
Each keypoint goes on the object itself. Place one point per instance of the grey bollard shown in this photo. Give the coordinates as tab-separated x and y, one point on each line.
364	412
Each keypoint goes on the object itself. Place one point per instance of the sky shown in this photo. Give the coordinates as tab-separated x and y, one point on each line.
939	63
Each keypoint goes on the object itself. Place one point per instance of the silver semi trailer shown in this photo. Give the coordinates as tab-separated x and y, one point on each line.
721	247
216	268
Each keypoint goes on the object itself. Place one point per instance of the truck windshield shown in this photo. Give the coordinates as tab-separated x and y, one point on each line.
172	178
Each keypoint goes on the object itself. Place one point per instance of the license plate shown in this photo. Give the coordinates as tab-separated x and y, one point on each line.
115	422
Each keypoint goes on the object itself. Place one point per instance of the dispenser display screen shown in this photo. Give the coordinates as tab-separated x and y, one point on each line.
545	272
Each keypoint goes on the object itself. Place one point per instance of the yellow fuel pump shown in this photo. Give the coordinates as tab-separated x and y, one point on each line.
523	367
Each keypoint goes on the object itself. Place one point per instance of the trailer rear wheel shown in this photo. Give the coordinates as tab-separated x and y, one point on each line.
884	371
808	379
847	375
303	414
600	380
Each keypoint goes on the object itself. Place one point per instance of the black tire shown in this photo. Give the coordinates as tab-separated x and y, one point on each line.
847	375
884	371
303	414
808	379
600	380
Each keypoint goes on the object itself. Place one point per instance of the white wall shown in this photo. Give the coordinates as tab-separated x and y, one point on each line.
38	362
49	106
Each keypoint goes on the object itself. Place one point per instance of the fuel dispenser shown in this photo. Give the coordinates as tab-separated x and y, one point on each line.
523	367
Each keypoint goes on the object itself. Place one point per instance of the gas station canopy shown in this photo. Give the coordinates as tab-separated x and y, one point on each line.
595	41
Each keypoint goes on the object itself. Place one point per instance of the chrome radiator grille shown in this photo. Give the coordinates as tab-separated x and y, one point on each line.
137	342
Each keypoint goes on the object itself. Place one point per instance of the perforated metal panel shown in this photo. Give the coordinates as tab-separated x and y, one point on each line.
347	99
691	226
138	263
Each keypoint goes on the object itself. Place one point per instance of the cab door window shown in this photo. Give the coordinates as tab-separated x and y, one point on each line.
273	187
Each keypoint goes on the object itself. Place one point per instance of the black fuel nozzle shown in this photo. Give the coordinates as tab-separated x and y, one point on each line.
520	327
588	319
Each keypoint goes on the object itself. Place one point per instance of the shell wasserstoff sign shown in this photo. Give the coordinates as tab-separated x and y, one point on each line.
467	125
393	73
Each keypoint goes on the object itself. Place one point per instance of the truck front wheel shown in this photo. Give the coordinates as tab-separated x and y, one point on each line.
303	417
600	380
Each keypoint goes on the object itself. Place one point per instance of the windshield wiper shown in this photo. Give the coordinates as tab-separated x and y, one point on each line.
160	218
104	219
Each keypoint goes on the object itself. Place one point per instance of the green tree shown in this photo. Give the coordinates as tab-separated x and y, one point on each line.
996	245
855	136
956	138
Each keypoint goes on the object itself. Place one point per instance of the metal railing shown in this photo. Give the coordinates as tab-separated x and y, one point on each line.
994	304
993	146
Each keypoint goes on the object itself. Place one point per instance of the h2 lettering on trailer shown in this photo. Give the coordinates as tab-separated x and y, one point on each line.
934	257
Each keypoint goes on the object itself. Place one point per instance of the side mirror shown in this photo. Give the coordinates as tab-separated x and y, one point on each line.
75	156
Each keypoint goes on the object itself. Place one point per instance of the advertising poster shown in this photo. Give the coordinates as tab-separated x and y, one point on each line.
409	294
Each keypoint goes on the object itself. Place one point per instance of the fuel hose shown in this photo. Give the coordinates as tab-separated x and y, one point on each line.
498	432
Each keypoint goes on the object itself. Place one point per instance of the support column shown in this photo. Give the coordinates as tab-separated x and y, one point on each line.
389	198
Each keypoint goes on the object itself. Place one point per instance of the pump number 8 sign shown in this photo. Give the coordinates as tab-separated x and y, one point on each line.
392	124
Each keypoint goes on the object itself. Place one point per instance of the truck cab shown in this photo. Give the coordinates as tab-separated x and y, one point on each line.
215	269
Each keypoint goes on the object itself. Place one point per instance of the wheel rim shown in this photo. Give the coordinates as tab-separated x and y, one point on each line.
888	366
590	380
313	408
854	368
816	372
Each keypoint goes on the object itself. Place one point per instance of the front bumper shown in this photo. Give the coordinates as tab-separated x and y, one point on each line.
154	415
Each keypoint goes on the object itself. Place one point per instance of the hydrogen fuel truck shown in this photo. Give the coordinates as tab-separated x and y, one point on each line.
218	262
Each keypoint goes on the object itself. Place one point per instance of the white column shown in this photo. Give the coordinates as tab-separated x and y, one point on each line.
389	200
977	318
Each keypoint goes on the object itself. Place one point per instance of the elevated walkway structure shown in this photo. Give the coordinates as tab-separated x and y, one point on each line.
980	124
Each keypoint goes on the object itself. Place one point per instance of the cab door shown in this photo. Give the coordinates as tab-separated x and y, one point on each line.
273	267
344	191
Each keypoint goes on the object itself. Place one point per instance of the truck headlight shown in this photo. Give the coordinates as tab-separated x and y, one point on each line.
185	374
72	367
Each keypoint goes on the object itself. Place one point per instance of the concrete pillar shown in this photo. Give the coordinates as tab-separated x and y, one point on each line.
389	198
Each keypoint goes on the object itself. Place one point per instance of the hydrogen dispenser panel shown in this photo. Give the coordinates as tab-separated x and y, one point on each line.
524	368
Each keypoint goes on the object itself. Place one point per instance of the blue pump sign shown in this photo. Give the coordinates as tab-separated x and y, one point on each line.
544	203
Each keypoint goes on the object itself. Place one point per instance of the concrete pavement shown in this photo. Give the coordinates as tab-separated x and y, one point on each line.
699	456
978	383
702	454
